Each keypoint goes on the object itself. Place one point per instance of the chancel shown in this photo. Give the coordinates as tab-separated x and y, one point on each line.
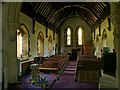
60	45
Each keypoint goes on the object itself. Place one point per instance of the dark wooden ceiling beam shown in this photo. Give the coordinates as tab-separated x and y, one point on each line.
93	11
103	15
93	5
95	14
41	7
100	6
46	10
36	6
53	10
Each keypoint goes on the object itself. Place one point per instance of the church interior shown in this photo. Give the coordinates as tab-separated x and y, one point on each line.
60	45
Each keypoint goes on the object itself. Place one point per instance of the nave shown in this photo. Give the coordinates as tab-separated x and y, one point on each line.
64	81
70	74
67	81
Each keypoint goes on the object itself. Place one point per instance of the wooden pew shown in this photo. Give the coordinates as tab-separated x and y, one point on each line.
36	76
54	64
88	69
49	67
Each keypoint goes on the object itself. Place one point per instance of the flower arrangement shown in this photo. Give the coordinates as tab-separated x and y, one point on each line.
39	81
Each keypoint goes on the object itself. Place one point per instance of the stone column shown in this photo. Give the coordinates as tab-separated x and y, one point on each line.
10	20
115	18
12	52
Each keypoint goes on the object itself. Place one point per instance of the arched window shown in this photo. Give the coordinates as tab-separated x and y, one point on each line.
79	36
19	43
104	38
68	33
97	46
68	36
22	42
40	44
79	33
50	47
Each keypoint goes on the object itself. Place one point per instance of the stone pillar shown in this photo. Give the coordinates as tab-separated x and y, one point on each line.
10	20
115	18
0	45
12	52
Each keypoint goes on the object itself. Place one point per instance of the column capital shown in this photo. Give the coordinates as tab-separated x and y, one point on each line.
14	9
13	24
12	28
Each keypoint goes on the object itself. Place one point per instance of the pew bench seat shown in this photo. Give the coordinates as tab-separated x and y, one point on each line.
88	69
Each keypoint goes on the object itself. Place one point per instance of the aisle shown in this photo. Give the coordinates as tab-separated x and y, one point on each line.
70	69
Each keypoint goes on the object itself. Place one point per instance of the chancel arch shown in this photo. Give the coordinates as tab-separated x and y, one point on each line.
40	44
22	42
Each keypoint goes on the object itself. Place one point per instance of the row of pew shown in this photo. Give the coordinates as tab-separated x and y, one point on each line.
51	67
88	69
54	64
